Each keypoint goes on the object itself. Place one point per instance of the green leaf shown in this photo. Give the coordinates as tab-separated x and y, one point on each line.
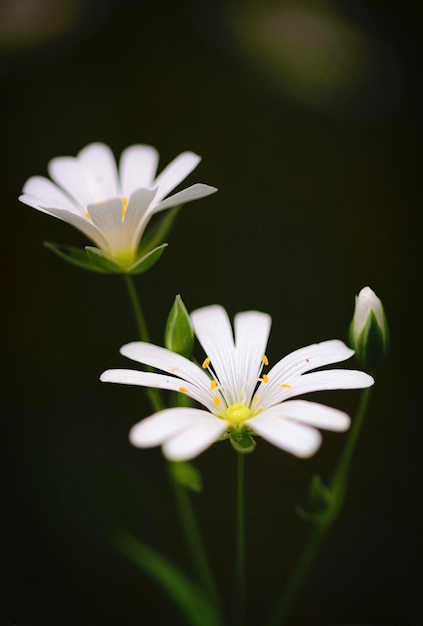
179	334
75	256
147	261
186	475
194	605
242	442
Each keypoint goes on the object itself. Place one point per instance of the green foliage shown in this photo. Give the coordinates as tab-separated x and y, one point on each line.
242	442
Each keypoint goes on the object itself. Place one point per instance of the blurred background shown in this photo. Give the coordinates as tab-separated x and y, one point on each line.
308	116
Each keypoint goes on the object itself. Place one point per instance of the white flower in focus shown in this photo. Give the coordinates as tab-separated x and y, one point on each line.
236	395
112	207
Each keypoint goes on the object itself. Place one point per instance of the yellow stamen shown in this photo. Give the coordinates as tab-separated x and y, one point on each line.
87	215
265	378
265	359
286	386
255	399
124	205
206	363
183	389
216	400
213	384
101	202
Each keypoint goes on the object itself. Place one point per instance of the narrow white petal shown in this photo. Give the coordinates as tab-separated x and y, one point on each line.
46	194
107	217
199	190
316	381
196	438
138	215
313	414
301	361
79	222
157	381
138	165
69	174
298	439
252	330
158	428
175	173
213	329
99	167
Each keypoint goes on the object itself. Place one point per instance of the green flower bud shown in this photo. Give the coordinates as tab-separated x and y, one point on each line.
369	333
179	334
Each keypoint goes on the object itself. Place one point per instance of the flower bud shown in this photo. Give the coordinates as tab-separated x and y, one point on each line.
369	333
179	334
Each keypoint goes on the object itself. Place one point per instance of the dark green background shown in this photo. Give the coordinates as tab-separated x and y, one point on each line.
319	195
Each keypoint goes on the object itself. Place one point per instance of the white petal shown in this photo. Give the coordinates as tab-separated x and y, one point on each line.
107	217
313	414
138	215
99	167
317	381
158	428
137	168
252	330
199	190
298	439
79	222
213	329
301	361
175	173
46	194
69	174
190	442
157	381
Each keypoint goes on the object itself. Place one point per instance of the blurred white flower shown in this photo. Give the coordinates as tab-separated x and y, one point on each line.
238	397
112	207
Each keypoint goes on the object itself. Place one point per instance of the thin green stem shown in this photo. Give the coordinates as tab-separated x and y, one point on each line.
194	542
337	486
153	394
239	595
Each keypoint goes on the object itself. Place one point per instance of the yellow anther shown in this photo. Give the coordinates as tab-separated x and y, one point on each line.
206	363
213	384
265	378
183	389
87	215
101	202
216	400
124	205
265	359
286	386
255	399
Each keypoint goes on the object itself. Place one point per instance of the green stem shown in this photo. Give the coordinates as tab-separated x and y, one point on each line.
337	486
194	542
239	595
153	394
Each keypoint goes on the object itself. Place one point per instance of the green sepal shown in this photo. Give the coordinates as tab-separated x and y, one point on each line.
147	261
186	475
155	235
179	334
95	260
242	442
102	261
75	256
372	344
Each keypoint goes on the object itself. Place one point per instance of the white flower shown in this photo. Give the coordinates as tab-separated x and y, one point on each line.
236	394
112	207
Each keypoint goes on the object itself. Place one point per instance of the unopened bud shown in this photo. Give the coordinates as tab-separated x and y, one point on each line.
369	333
179	334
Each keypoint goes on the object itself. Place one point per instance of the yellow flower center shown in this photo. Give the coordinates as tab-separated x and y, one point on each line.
237	413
